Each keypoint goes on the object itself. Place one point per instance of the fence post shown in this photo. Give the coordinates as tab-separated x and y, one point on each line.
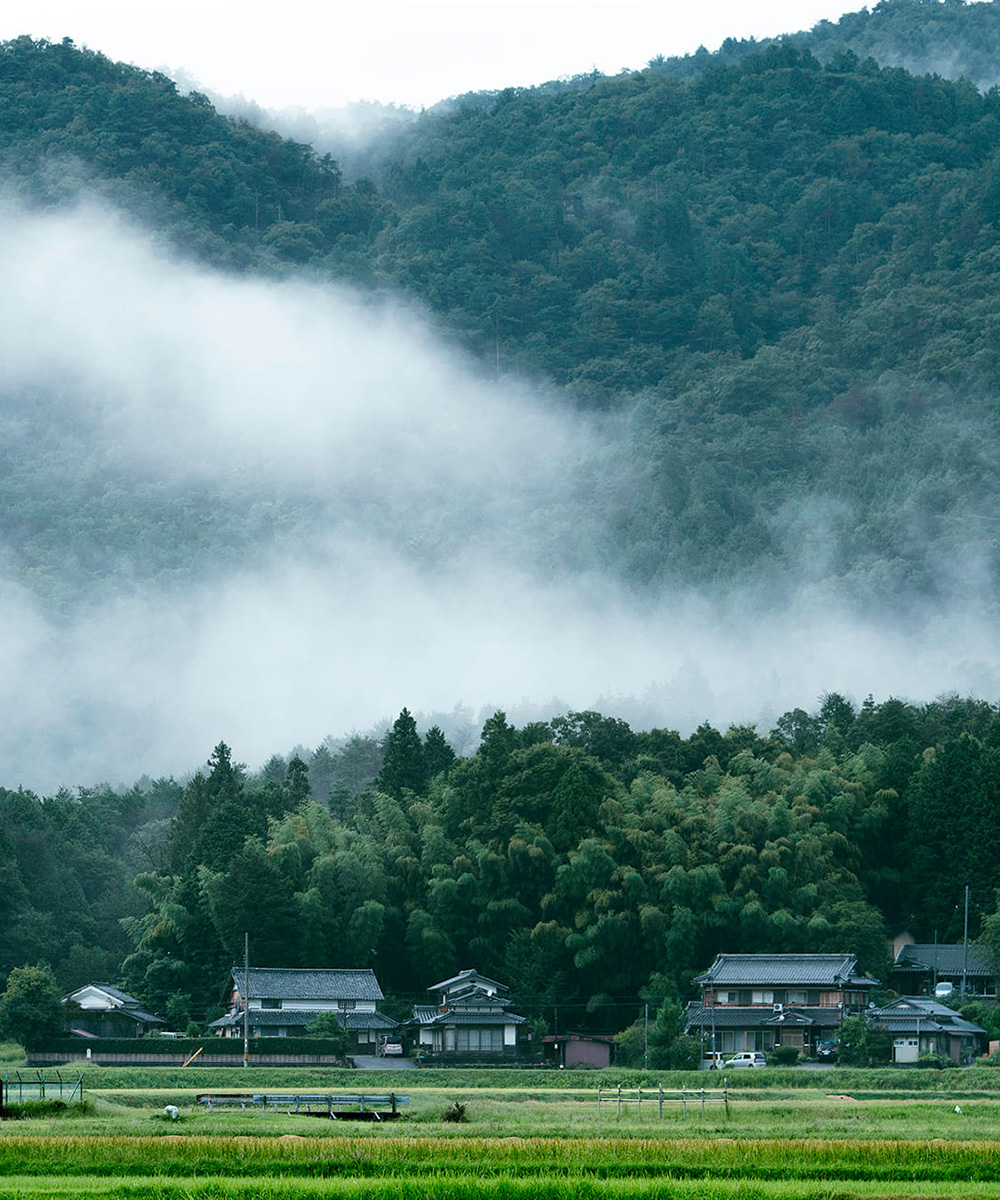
598	1099
725	1094
661	1100
684	1100
619	1100
703	1102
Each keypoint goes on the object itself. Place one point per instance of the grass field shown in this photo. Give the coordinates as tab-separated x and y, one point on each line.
897	1137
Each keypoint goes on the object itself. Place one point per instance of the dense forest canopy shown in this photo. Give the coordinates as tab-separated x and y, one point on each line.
581	861
765	287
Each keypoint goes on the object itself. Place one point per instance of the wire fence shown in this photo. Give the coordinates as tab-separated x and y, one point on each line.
40	1086
657	1097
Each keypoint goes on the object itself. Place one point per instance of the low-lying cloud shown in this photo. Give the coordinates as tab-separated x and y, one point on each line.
434	536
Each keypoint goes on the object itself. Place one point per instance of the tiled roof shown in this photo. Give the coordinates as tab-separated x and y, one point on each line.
467	976
785	970
473	1018
945	959
117	994
899	1023
730	1017
281	983
906	1012
274	1018
137	1014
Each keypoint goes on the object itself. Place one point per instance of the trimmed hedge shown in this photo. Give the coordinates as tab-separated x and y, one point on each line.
210	1044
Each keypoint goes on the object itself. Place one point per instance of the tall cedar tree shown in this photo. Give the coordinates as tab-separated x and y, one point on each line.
404	766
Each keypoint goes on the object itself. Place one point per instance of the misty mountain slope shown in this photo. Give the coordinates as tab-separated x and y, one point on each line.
682	392
784	274
72	120
956	39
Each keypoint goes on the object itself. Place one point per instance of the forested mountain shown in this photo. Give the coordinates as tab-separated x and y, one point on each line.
782	272
767	296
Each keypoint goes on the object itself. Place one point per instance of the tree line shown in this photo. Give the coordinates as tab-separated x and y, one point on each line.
584	863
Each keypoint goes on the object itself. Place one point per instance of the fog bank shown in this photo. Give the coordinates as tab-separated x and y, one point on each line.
422	537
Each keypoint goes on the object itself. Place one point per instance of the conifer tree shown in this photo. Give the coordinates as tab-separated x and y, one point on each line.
404	765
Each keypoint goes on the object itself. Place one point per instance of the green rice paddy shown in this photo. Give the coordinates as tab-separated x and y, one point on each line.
823	1142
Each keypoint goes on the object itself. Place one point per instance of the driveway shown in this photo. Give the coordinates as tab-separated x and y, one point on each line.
372	1062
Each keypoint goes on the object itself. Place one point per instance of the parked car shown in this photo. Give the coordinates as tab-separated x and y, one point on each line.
826	1050
748	1058
712	1060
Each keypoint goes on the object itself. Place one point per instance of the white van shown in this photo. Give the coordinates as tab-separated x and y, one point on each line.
942	990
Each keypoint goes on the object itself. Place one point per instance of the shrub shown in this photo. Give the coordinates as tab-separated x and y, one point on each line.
785	1056
455	1113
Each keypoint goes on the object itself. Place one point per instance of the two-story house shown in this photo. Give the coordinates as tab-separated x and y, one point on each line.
469	1021
283	1001
759	1001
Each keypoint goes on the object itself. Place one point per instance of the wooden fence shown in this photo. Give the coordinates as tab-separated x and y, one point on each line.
658	1097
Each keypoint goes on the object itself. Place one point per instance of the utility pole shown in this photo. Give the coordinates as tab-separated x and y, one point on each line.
965	954
246	999
645	1039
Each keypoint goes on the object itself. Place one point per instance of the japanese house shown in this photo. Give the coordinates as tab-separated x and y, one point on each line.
759	1001
282	1002
469	1022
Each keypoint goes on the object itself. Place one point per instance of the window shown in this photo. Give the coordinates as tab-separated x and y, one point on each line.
763	998
270	1004
798	998
470	1038
725	997
362	1037
347	1005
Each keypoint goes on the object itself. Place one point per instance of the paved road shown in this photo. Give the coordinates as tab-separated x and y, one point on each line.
370	1062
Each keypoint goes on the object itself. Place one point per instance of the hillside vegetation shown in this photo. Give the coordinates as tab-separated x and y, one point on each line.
782	272
772	287
584	863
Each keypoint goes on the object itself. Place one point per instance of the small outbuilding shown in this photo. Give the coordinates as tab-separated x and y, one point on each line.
922	1026
101	1010
578	1049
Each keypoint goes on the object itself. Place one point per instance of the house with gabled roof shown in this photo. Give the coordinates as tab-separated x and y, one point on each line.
283	1001
759	1001
919	1025
921	966
468	1022
101	1010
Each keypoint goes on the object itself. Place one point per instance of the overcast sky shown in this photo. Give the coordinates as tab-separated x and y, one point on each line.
326	53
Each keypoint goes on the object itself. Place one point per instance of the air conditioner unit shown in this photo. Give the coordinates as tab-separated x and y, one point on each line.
779	1008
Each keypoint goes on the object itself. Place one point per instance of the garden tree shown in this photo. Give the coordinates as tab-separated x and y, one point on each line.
403	763
30	1009
326	1025
864	1043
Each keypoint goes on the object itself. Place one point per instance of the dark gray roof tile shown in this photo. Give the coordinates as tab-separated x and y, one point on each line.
288	984
785	970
